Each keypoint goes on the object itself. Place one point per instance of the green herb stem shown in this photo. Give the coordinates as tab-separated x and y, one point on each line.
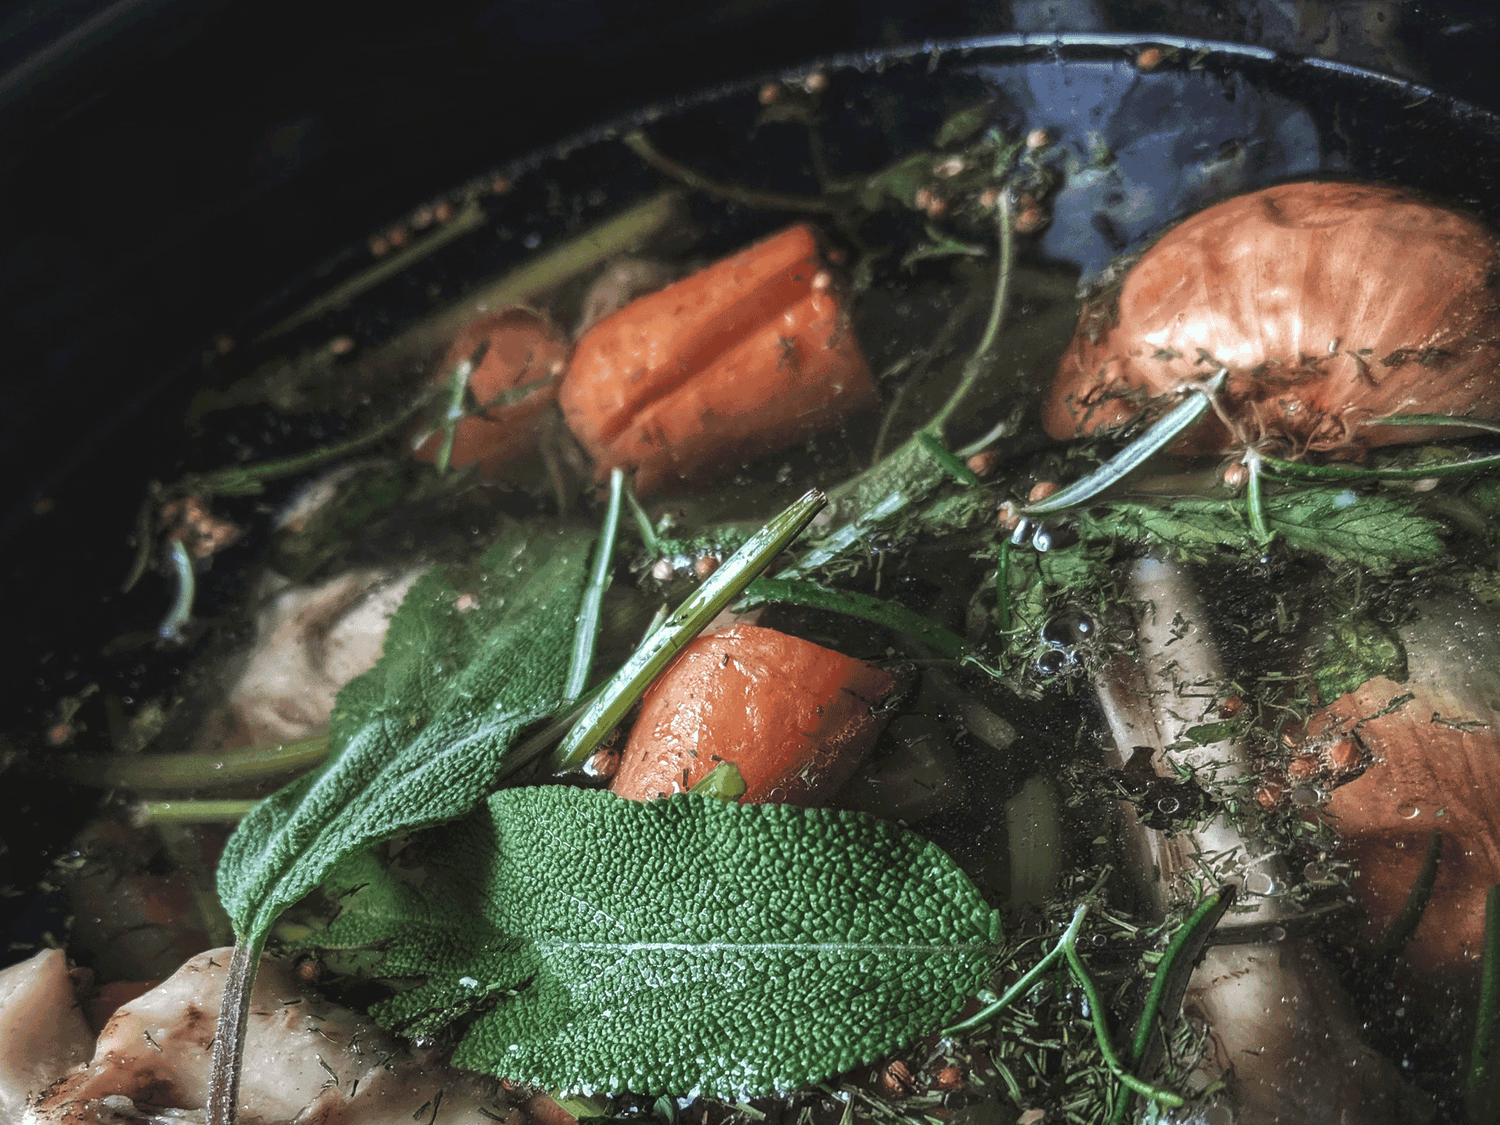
641	145
1180	954
196	812
170	629
229	1032
975	367
1482	1098
1297	470
1169	984
249	480
1025	982
587	633
470	218
1255	503
168	773
1406	922
831	546
649	538
1456	421
721	588
458	383
951	464
891	615
655	221
1101	1032
1002	585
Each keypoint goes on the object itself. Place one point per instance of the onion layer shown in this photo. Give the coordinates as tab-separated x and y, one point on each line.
1331	305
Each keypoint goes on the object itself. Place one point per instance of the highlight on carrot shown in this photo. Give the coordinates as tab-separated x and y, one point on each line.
791	716
517	358
744	357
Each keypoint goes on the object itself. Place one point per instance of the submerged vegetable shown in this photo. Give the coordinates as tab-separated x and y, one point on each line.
1434	740
515	359
1331	305
743	357
793	718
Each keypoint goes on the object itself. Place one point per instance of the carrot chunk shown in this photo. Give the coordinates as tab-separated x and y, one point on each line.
744	357
791	716
521	359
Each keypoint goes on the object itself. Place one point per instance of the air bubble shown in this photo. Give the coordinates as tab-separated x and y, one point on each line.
1058	633
1408	812
1259	883
1305	796
1168	805
1052	663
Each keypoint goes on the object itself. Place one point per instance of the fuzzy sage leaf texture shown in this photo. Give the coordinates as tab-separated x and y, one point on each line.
671	946
475	653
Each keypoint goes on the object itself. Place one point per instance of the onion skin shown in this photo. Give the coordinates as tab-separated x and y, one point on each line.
1436	768
1331	305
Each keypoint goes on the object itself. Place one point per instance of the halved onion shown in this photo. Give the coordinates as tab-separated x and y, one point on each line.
1331	305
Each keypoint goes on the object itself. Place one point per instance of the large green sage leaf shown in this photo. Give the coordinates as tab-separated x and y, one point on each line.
474	654
673	946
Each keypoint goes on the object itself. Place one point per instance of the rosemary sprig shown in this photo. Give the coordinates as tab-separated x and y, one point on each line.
721	588
1174	422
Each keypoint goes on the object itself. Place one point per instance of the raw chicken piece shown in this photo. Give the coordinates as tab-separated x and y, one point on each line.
42	1033
309	642
307	1062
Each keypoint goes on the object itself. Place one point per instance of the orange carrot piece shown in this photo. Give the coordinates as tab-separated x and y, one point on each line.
793	717
800	373
519	347
744	357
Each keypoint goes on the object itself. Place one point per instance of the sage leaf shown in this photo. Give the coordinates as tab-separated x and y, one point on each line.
684	945
474	653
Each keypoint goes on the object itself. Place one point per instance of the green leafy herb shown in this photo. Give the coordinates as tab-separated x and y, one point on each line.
1356	649
963	124
474	654
898	182
1377	532
671	946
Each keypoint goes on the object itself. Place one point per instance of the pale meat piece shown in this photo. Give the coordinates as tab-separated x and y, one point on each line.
307	1062
309	642
42	1033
